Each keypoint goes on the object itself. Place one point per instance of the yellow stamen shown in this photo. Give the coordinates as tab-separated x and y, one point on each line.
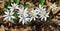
45	14
32	13
9	15
23	12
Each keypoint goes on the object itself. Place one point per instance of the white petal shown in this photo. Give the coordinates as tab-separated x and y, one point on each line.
45	18
12	21
48	13
6	12
44	9
23	22
12	9
39	6
26	9
9	7
31	19
11	4
34	19
20	20
27	19
20	16
5	18
11	13
12	17
14	4
36	16
41	19
9	18
17	7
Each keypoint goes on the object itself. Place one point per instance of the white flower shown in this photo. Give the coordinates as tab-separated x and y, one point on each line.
23	15
44	15
53	6
40	8
24	20
13	6
43	11
9	16
23	12
33	14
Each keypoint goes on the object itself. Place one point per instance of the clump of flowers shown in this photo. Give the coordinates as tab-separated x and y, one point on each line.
25	16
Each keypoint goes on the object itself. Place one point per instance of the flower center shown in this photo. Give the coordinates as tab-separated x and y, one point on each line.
40	10
32	13
44	14
9	15
23	12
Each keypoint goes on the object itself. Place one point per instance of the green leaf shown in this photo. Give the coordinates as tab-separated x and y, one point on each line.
8	3
28	23
41	2
49	18
16	1
16	16
27	5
